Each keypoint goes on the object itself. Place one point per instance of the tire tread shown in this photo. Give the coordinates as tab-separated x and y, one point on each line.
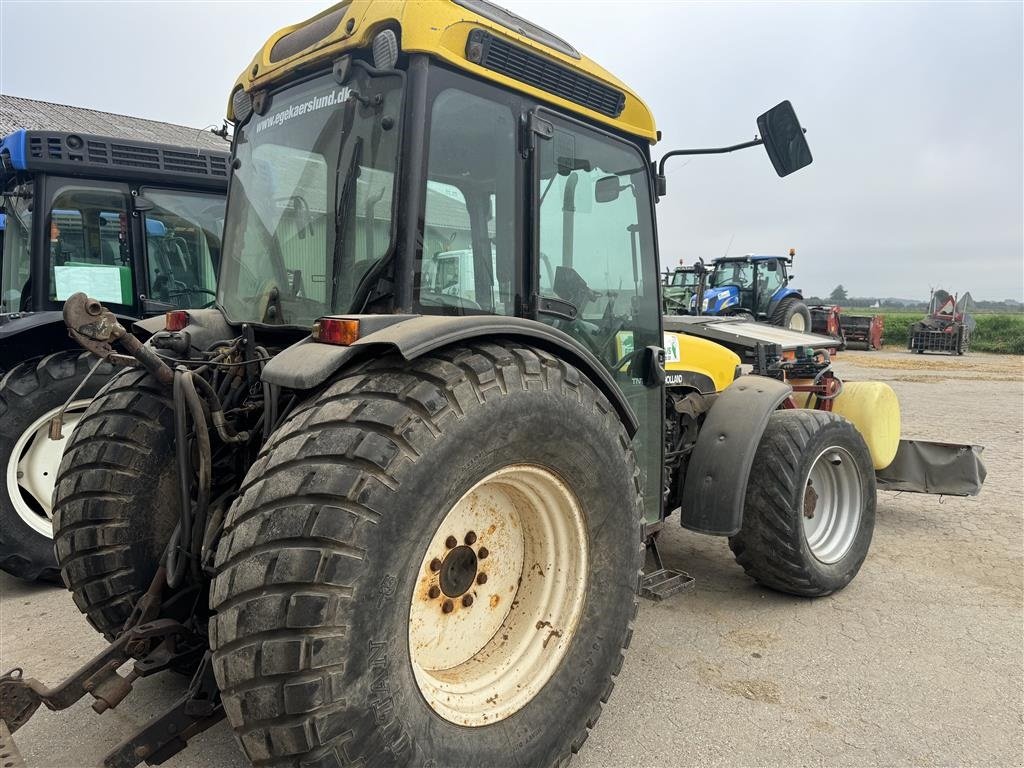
411	407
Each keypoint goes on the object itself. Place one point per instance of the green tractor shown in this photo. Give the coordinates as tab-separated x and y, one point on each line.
679	287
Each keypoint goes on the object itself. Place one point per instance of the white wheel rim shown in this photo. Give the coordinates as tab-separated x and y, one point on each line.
480	661
32	468
832	503
796	322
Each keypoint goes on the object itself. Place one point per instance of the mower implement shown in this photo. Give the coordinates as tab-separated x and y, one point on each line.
399	483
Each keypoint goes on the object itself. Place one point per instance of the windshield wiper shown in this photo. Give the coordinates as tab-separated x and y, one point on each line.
344	194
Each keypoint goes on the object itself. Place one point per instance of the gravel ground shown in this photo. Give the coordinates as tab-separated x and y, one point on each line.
917	662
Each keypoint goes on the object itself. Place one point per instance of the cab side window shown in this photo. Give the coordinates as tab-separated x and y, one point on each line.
770	278
88	246
183	241
468	264
596	242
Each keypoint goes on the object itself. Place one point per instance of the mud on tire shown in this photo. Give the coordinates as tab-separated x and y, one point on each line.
777	544
319	563
29	392
116	499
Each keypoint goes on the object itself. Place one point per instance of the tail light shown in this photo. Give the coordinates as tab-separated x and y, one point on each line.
176	320
336	330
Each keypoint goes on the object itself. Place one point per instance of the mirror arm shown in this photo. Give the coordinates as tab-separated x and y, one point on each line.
662	184
713	151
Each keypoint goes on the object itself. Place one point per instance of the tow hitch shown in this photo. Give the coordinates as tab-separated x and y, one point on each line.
168	645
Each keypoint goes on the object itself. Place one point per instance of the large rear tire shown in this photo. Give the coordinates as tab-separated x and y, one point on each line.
431	563
793	314
32	393
810	505
116	499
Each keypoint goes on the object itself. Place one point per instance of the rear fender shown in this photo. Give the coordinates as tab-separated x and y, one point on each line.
32	334
781	295
716	476
309	364
205	327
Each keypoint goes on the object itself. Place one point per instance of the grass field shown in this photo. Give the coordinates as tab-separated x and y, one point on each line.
996	332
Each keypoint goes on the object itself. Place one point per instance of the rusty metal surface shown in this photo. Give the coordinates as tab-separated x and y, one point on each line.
96	329
91	324
20	697
19	700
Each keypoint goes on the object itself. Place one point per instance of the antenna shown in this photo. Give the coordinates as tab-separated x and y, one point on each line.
729	245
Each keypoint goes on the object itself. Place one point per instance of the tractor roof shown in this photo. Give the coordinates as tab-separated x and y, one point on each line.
751	257
505	49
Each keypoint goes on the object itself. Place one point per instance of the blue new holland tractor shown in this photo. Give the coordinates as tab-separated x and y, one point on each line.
755	287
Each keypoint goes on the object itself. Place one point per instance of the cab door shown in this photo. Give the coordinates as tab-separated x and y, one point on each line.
595	265
87	245
180	238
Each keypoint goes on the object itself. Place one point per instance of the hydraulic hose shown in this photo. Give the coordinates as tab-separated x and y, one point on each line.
205	465
269	398
183	531
224	430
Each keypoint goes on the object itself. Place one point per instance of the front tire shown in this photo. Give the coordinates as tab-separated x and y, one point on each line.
743	314
810	505
343	631
793	314
32	393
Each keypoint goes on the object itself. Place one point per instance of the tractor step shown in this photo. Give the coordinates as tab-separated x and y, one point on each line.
663	583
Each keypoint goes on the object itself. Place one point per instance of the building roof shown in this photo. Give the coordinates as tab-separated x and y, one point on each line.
33	115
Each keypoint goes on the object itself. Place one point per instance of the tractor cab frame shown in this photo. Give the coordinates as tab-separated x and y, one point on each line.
120	217
136	224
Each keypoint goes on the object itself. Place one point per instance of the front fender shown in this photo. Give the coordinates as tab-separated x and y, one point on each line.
308	363
716	476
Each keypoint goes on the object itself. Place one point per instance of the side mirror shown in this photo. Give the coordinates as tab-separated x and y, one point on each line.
607	190
784	139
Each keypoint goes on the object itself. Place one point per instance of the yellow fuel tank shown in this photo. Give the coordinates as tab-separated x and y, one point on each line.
874	410
699	363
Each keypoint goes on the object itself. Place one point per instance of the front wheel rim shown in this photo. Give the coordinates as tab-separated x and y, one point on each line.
832	505
499	596
796	323
32	467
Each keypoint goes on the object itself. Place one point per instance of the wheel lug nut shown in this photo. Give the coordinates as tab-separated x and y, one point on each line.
481	578
447	606
451	542
482	553
471	538
434	592
467	600
435	565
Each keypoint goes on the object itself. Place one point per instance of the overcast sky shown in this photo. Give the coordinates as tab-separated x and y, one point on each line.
915	116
